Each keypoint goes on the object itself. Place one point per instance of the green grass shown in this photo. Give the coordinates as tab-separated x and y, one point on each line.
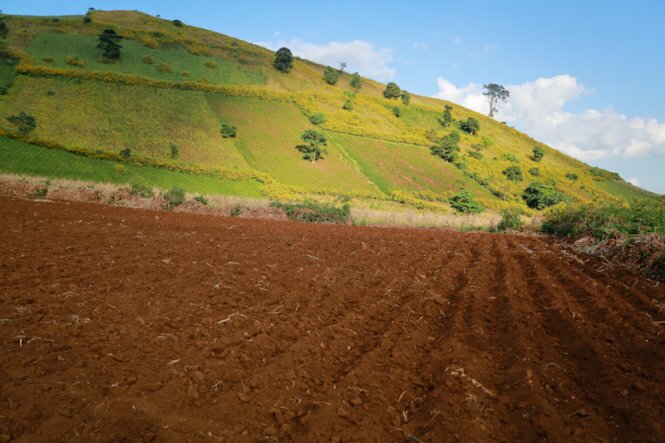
21	158
268	133
624	190
399	166
58	46
7	73
99	115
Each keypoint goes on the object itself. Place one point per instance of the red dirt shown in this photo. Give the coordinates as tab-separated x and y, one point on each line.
126	324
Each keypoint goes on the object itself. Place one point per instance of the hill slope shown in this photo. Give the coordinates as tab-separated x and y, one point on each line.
174	86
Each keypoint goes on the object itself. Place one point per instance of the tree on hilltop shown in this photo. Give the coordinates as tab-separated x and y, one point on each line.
331	75
496	94
392	91
356	83
283	60
109	42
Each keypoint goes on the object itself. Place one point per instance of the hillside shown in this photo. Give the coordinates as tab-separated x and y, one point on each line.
174	86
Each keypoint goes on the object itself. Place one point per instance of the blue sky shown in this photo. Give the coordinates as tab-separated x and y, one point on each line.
585	76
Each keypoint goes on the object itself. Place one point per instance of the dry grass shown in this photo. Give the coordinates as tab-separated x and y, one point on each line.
246	207
367	217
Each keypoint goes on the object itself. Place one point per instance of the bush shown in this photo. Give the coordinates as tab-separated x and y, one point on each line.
228	131
178	23
163	67
348	105
175	197
126	153
475	154
470	125
540	196
330	75
396	112
25	123
41	192
511	157
119	169
513	173
572	176
510	221
141	190
465	203
3	90
87	19
283	60
312	212
447	117
236	211
356	82
148	60
608	220
74	61
175	152
201	199
317	118
599	174
392	91
211	65
448	147
534	171
538	153
48	60
406	97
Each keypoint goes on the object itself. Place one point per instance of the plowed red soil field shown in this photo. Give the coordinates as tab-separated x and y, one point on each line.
132	325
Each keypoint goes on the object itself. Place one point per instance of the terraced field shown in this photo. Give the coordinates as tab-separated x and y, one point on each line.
133	324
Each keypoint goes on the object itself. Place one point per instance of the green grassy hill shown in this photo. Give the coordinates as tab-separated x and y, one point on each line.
174	86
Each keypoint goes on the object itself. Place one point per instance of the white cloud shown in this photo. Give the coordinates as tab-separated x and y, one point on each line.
359	55
486	50
538	108
458	40
633	181
420	45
